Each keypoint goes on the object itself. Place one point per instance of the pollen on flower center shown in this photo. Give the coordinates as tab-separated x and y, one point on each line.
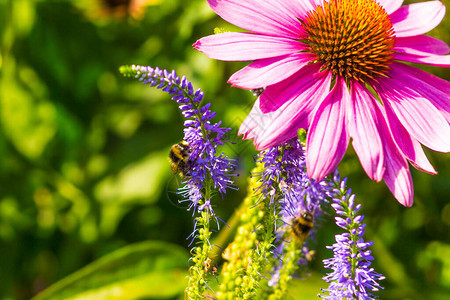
352	38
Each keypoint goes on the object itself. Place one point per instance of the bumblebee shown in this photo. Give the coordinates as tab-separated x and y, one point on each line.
302	225
179	157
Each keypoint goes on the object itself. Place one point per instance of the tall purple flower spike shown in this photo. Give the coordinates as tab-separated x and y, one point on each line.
352	276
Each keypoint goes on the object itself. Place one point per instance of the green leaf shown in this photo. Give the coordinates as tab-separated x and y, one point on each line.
151	270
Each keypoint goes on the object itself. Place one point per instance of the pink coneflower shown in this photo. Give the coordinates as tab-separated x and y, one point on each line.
332	67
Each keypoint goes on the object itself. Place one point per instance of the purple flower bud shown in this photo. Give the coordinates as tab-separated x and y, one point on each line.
351	201
340	222
190	88
205	108
184	82
359	219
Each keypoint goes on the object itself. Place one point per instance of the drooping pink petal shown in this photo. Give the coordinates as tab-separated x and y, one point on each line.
293	115
277	94
255	125
417	18
409	146
416	113
435	89
275	17
243	46
327	137
408	72
434	60
390	5
255	122
274	127
419	159
420	118
396	176
264	72
363	128
421	45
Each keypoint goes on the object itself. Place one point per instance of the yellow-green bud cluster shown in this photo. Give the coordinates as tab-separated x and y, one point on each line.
198	272
245	257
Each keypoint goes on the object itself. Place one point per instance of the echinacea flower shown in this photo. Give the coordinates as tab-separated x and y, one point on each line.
333	68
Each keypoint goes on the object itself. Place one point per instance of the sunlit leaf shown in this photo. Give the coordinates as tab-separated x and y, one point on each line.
153	269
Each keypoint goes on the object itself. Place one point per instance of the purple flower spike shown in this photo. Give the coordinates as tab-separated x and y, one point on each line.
207	169
352	277
293	193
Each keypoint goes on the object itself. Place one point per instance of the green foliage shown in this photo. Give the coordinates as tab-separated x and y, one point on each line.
84	169
152	270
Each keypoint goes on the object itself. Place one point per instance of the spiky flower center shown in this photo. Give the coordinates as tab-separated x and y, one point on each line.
352	38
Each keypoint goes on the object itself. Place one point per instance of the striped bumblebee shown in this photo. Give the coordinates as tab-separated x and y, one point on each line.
179	157
302	225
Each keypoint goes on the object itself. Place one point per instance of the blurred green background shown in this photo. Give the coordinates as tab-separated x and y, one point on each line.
84	168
